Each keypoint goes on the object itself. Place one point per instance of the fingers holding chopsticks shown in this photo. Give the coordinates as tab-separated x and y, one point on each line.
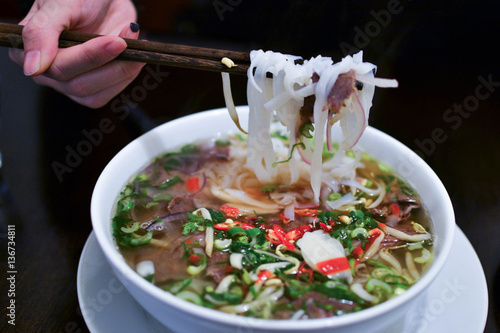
87	72
90	88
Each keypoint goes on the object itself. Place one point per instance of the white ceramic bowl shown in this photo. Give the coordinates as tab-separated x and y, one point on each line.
182	316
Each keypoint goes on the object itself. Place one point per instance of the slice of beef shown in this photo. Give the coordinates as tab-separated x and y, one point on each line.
217	265
180	204
341	91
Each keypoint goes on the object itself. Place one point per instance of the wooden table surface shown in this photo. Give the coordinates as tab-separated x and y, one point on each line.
446	108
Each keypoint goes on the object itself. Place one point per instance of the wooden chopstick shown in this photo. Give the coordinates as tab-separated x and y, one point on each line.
146	51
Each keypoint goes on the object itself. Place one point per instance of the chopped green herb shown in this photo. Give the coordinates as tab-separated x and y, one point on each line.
406	190
306	130
162	197
268	189
171	163
141	177
189	149
143	239
151	204
125	205
169	182
133	228
291	154
186	250
222	143
216	216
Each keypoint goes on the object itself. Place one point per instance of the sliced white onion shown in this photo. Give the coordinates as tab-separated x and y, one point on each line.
358	289
353	123
224	284
236	260
355	184
145	268
403	236
289	211
347	200
298	315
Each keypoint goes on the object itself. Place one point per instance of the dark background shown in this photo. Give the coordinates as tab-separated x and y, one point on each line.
438	52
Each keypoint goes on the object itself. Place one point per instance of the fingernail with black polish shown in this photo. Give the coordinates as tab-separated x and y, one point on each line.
134	27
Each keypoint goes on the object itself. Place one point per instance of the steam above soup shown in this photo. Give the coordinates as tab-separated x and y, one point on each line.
283	223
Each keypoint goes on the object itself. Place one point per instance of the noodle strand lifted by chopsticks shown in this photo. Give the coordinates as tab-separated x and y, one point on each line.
284	95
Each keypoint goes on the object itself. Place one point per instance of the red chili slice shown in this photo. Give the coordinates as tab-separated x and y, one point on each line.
263	276
271	236
333	266
303	270
194	259
298	232
382	226
193	184
357	252
232	212
374	233
325	227
395	209
234	224
280	234
306	212
284	218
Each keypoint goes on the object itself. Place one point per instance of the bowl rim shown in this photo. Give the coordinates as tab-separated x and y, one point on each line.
103	234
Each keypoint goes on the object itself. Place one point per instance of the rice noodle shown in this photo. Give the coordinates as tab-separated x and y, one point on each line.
355	184
403	236
347	200
284	95
410	264
386	256
238	196
379	199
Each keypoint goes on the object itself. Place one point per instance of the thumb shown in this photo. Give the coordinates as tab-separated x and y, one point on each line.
41	40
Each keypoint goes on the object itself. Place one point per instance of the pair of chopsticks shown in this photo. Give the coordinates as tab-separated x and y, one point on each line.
147	52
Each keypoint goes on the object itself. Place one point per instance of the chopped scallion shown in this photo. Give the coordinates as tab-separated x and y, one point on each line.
162	197
334	196
125	205
306	130
143	239
425	257
133	228
222	143
169	182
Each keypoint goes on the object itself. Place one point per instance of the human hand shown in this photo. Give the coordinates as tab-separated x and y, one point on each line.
87	72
